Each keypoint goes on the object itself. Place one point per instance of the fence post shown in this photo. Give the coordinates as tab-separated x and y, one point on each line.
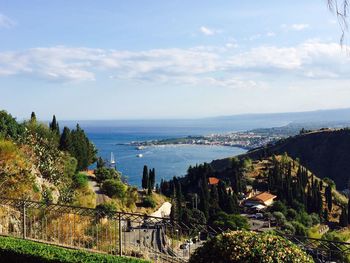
24	224
120	236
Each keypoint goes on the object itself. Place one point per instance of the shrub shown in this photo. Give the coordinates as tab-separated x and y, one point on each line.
106	209
291	214
114	188
148	201
280	218
300	229
17	250
80	180
305	219
288	228
104	173
233	221
315	219
245	246
278	206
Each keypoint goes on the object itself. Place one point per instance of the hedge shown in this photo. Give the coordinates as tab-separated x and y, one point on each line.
13	250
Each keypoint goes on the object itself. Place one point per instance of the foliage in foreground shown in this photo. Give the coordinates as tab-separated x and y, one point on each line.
245	246
18	250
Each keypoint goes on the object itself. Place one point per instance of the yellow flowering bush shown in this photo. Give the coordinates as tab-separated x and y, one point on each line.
246	246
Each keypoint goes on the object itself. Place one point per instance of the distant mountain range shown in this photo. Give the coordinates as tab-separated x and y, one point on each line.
239	122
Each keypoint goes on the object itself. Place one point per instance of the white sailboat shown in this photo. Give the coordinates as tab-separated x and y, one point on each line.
112	161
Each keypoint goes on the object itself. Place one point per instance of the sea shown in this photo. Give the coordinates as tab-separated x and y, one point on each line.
168	160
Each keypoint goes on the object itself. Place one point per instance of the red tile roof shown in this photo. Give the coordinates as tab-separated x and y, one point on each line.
265	196
213	180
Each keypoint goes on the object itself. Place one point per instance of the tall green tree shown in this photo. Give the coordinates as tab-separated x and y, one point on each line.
204	197
152	179
328	196
9	128
343	219
145	177
348	211
54	127
65	140
82	149
33	117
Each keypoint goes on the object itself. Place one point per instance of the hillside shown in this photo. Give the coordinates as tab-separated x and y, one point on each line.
325	153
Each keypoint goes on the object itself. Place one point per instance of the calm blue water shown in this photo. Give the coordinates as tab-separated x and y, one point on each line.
169	160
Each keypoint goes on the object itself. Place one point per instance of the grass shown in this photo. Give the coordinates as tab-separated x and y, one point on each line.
313	232
18	250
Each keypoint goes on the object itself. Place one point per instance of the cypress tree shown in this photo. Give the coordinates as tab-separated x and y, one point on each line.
145	178
54	127
152	178
33	117
348	211
100	163
343	219
65	140
204	197
328	196
325	215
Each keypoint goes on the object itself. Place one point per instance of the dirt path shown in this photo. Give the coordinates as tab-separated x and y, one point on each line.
163	211
100	197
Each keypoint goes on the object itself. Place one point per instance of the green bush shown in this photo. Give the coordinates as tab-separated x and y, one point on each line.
280	218
278	206
148	201
80	180
288	228
305	219
300	229
233	221
245	246
104	173
291	214
114	188
17	250
106	209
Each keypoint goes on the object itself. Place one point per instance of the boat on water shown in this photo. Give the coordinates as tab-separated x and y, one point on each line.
139	155
112	162
140	147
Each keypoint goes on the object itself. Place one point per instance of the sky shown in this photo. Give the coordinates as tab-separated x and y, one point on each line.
134	59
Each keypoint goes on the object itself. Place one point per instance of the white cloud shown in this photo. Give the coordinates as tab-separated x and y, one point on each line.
270	34
6	22
199	66
208	31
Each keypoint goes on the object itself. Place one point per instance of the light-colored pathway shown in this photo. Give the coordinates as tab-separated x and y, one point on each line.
100	197
163	211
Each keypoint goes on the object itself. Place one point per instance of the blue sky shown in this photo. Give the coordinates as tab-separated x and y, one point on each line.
169	59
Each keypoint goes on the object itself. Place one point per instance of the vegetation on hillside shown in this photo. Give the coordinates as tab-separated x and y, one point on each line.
195	201
34	165
324	152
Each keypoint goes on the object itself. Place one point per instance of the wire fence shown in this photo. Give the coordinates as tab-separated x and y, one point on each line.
118	233
128	234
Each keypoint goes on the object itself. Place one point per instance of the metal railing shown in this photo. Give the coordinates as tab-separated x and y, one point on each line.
119	233
129	234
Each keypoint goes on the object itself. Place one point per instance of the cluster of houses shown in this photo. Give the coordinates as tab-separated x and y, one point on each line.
252	201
